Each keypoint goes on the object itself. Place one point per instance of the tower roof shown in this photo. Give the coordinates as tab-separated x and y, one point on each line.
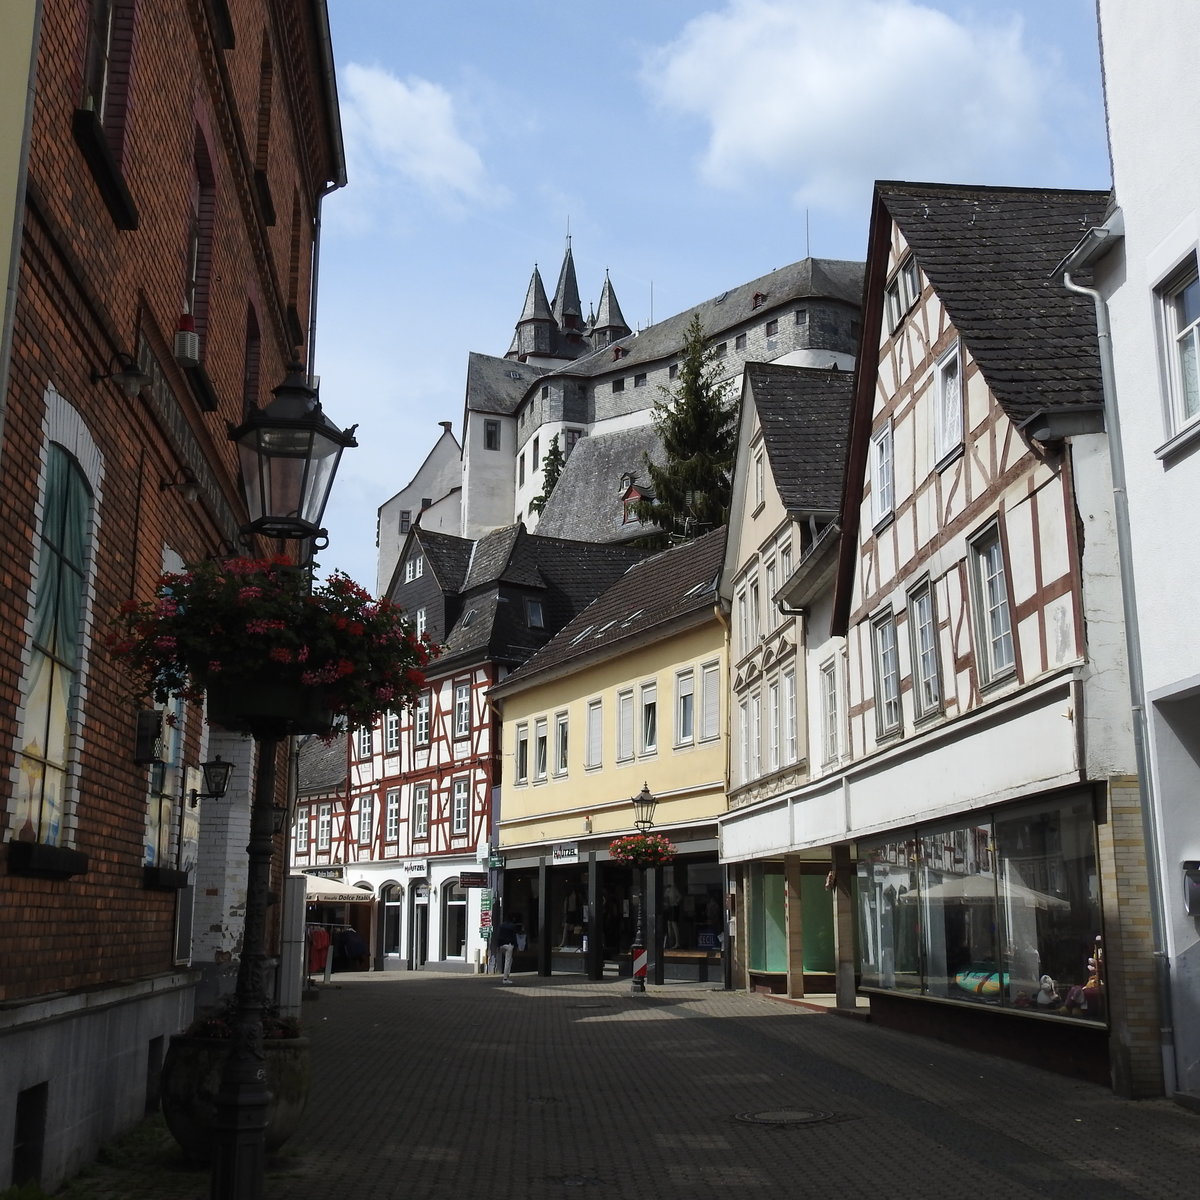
567	304
609	315
537	307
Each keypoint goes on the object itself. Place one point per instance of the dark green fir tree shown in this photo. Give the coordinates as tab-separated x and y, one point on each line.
698	427
552	466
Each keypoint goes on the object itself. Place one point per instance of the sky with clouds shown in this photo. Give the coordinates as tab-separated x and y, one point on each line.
685	148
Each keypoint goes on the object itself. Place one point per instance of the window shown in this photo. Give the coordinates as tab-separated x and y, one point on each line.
744	738
927	684
829	713
624	726
595	734
405	520
752	603
739	342
774	725
1179	303
560	744
569	439
366	818
491	435
771	614
534	615
629	511
521	468
106	87
618	385
545	391
760	485
743	617
461	809
419	621
685	685
639	380
535	456
771	328
948	420
755	735
392	814
522	754
52	681
324	826
251	358
785	558
540	749
720	349
883	492
420	814
649	718
991	601
887	674
421	720
801	317
462	710
710	701
200	242
673	371
790	749
391	732
902	291
364	741
302	830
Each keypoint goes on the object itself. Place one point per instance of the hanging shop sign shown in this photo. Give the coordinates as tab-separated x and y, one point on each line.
324	872
472	879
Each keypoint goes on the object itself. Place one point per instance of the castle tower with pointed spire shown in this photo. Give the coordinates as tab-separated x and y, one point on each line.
551	332
535	331
609	323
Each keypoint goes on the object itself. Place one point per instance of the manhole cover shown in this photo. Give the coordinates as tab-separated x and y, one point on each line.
785	1116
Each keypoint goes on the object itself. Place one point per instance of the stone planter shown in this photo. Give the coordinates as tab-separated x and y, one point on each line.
191	1078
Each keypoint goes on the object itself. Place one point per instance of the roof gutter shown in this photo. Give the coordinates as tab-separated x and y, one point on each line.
1091	247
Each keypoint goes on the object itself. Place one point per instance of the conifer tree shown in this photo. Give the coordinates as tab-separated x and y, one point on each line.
552	466
698	427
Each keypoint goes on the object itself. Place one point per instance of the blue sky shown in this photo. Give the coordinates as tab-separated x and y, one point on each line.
687	147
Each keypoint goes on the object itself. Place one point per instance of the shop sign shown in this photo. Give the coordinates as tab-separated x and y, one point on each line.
472	879
324	872
485	933
562	853
413	868
485	901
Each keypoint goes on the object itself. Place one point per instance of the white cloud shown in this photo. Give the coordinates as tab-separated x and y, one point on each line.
828	97
404	136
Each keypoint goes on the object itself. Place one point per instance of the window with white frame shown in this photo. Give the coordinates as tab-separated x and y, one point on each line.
649	721
883	480
710	701
785	557
324	826
521	763
420	811
421	719
561	745
948	419
743	618
990	585
902	291
771	613
414	568
755	734
830	747
391	815
927	676
462	808
420	621
624	726
540	748
462	709
753	603
391	732
302	830
364	741
887	674
366	818
760	479
790	748
1179	307
774	725
595	733
744	739
685	708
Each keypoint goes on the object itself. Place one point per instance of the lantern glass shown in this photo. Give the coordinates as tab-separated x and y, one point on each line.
644	804
216	777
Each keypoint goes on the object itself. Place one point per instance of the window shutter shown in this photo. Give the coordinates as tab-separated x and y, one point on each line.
711	702
593	736
625	726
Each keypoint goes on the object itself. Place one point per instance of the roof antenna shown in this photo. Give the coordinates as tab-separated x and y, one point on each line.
807	243
568	231
652	302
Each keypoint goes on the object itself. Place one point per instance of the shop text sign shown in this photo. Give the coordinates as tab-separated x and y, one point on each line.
472	879
564	852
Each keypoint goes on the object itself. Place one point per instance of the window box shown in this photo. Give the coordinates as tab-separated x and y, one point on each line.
165	879
44	861
90	137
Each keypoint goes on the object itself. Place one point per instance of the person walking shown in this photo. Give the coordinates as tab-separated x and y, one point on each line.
506	944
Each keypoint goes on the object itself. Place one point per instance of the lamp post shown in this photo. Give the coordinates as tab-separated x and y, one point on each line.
644	804
289	452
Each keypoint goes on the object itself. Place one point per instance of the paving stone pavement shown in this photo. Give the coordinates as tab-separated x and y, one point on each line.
432	1087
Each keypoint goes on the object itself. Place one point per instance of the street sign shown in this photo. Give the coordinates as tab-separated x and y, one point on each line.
495	861
472	879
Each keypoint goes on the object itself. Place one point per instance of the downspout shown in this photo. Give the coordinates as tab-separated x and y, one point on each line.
727	955
1089	248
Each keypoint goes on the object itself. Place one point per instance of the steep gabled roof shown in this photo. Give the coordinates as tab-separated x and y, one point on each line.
804	413
990	255
536	306
654	597
322	767
448	557
496	385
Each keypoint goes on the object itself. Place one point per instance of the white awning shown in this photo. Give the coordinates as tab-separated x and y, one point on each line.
318	890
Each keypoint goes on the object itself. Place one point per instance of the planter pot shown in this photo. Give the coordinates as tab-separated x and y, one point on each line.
191	1078
268	709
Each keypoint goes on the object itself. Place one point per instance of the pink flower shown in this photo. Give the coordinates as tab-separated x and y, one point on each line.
214	666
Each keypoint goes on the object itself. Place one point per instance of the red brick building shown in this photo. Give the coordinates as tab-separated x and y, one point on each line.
169	195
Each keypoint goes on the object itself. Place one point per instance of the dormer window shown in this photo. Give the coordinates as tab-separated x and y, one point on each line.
758	299
619	352
626	481
534	616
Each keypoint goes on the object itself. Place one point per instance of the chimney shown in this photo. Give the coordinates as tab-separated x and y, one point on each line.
447	425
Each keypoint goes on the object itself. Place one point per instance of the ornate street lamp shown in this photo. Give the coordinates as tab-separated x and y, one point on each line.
644	804
289	453
216	777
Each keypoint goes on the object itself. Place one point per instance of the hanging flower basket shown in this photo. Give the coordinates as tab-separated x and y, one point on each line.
643	850
270	649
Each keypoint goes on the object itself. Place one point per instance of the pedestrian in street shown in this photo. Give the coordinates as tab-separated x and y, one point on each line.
506	944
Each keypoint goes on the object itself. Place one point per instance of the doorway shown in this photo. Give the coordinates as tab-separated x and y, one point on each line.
418	925
454	920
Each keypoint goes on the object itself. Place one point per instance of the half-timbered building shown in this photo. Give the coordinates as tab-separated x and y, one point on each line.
989	789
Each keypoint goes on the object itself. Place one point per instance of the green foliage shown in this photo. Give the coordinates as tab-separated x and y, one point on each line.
552	468
698	426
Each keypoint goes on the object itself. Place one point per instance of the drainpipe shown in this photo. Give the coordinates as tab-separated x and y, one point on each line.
1093	245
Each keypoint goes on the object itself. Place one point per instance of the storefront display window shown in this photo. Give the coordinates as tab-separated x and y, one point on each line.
1001	910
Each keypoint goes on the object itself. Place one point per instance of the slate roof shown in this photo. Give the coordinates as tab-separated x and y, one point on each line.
805	417
512	565
654	594
491	386
990	255
448	557
586	502
321	767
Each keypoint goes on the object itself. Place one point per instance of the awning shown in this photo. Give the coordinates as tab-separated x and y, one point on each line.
318	890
